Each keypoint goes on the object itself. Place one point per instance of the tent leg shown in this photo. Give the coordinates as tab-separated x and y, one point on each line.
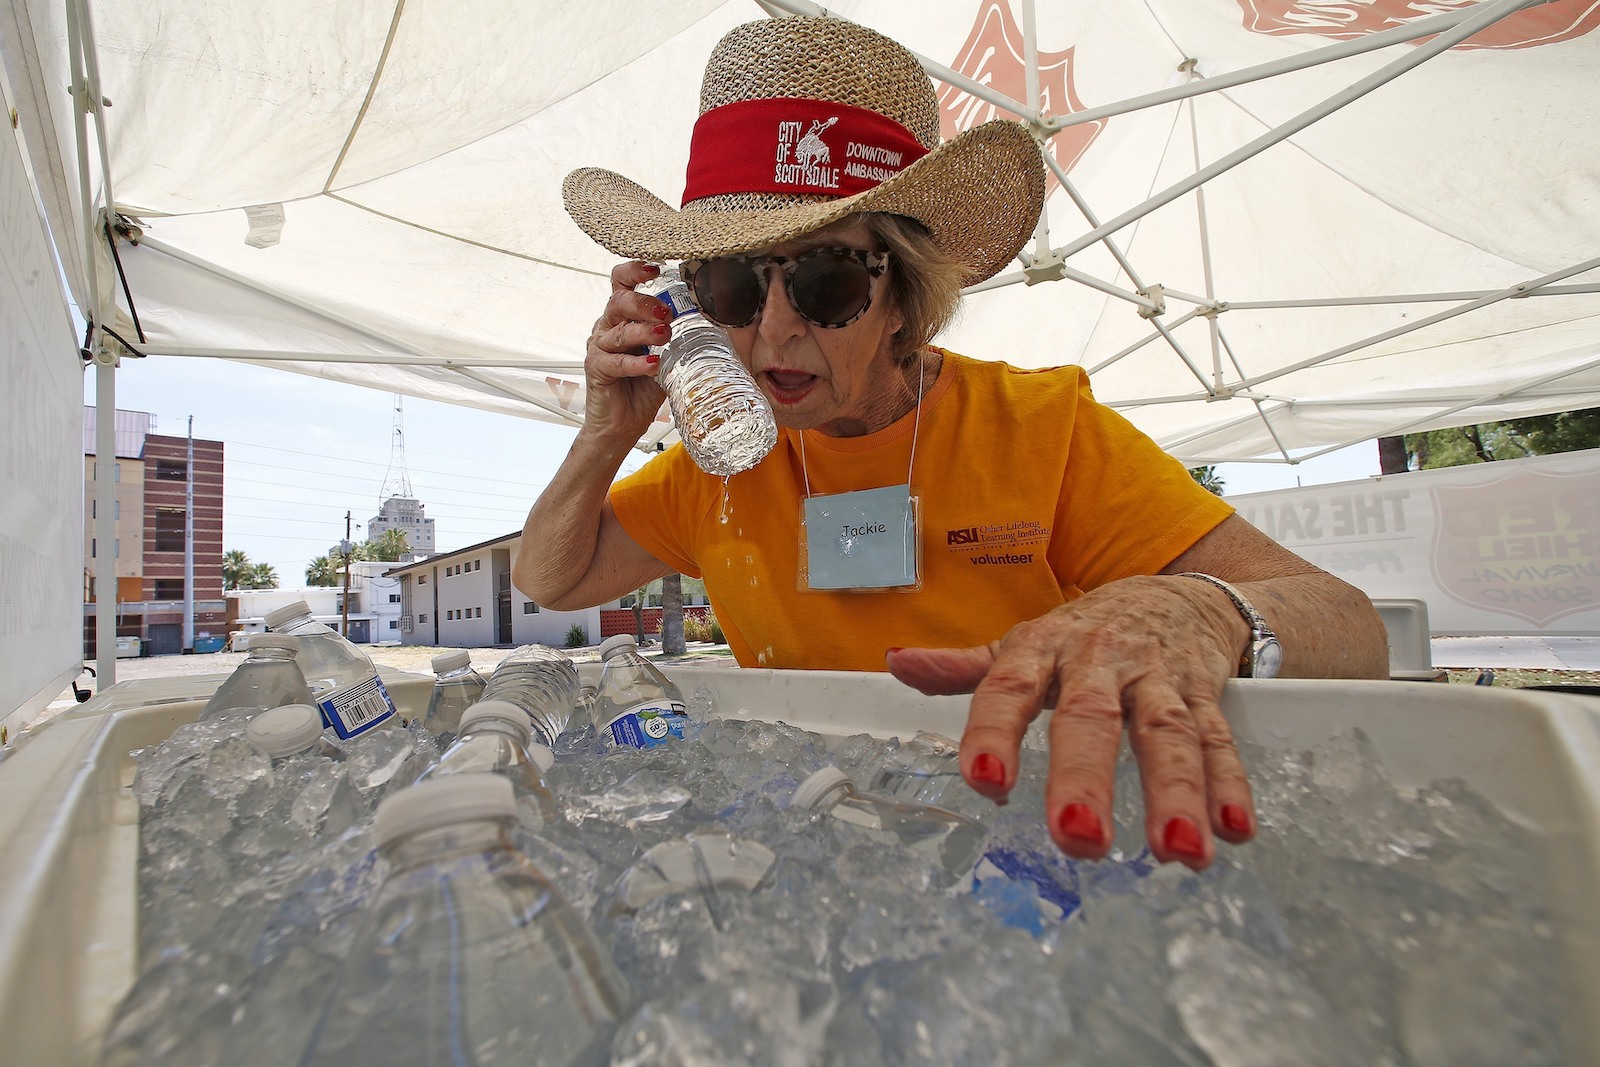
105	522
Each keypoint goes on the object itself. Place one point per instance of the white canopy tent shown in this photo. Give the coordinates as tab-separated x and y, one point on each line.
1275	227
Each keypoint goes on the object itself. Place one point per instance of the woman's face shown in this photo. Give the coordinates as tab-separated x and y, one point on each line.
843	382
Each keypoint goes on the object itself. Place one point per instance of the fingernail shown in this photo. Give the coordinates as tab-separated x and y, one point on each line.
663	312
652	358
1235	818
892	650
661	329
1183	837
1079	821
988	769
651	268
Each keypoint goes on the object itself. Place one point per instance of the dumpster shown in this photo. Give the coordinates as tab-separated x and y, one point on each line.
128	648
209	643
68	850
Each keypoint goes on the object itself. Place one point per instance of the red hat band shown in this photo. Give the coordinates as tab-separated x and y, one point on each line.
792	145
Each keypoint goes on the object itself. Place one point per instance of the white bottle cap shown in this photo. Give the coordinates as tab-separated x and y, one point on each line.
278	616
672	867
445	662
543	757
285	730
284	641
499	710
440	802
619	643
819	785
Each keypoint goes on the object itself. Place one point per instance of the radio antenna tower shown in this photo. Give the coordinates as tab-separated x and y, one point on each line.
396	481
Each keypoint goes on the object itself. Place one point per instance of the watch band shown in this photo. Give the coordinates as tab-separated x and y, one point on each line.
1263	656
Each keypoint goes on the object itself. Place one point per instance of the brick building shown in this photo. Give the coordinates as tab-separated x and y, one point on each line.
152	475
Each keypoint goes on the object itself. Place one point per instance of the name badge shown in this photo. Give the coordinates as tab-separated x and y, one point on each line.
861	540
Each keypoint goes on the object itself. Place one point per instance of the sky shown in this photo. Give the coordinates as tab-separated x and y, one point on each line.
301	451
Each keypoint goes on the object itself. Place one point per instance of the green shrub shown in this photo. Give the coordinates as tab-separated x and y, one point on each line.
577	636
715	627
696	629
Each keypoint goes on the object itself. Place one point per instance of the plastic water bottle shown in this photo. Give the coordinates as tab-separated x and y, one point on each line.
724	419
455	689
469	954
635	703
279	733
540	681
952	841
344	683
269	677
497	738
919	770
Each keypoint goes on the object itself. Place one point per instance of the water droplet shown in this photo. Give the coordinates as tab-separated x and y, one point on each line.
725	508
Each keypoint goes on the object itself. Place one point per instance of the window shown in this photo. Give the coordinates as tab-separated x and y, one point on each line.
477	564
169	530
168	589
422	618
172	470
116	509
116	472
394	624
422	579
477	613
394	598
91	548
530	608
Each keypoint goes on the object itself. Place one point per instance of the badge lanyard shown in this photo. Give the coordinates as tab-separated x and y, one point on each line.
866	540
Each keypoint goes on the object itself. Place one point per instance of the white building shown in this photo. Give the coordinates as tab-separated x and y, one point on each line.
404	513
374	604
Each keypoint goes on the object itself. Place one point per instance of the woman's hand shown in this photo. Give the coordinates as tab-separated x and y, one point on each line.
622	397
1153	652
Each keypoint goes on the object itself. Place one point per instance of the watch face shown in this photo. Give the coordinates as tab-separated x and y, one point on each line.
1268	659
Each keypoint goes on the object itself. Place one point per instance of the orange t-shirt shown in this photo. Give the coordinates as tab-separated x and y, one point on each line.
1031	493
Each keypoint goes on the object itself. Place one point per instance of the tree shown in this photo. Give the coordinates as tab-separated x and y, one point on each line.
389	547
1537	435
235	565
672	642
1209	479
261	576
325	571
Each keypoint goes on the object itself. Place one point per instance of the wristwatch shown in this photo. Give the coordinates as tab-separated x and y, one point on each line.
1263	656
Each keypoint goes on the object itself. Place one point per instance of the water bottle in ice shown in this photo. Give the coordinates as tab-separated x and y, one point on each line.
469	954
540	681
921	769
286	731
721	414
950	840
635	703
497	738
344	683
269	677
456	688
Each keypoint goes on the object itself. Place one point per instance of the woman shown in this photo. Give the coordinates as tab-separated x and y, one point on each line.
1058	559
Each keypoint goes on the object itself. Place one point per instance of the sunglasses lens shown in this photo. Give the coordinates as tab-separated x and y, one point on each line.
728	291
830	289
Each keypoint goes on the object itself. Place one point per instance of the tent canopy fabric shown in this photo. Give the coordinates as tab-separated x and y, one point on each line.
1274	227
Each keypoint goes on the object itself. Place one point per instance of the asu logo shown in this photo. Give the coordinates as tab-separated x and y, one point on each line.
969	536
1343	20
992	56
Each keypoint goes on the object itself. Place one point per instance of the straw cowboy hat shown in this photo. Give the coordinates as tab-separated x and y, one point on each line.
804	121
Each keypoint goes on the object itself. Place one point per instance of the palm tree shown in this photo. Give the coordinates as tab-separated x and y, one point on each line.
389	547
235	564
1209	479
261	576
325	570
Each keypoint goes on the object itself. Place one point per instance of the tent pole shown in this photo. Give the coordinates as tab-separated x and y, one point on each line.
1001	281
1411	327
1408	298
1131	349
1499	394
1486	14
105	520
1208	279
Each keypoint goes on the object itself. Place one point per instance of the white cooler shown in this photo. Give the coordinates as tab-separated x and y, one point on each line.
69	840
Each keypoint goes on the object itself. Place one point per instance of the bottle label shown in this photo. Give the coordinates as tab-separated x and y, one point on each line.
655	722
677	298
357	709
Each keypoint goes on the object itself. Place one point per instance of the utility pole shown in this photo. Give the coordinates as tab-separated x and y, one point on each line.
188	547
346	547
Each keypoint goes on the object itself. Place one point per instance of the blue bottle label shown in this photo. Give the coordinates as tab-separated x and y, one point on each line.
358	709
655	722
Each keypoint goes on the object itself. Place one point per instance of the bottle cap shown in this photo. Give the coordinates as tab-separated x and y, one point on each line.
440	802
445	662
687	864
287	642
611	646
285	730
819	785
500	711
543	757
278	616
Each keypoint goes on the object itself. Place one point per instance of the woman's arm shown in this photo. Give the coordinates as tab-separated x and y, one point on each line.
574	553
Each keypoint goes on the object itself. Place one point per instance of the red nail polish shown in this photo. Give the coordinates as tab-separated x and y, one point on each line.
892	650
1079	821
663	312
661	329
652	358
650	268
1181	836
1235	818
988	769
